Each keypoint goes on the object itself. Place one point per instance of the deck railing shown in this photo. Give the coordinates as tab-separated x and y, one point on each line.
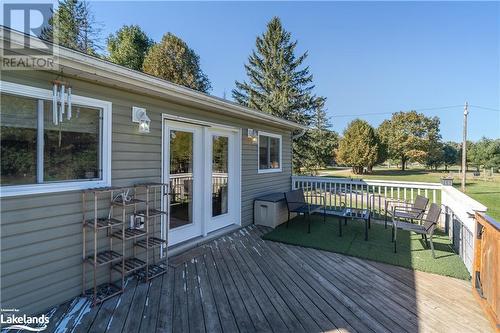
458	209
363	194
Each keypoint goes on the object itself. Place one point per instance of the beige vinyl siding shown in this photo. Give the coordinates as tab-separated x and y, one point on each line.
41	235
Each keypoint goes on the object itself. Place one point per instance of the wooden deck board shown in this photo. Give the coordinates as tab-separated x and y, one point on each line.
293	303
117	321
165	307
180	320
150	313
241	283
211	316
241	315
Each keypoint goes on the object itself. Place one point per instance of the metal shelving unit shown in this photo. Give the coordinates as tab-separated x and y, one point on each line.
155	194
121	237
96	258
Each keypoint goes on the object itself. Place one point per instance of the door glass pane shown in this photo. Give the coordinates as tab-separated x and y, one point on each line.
18	119
181	178
71	149
220	155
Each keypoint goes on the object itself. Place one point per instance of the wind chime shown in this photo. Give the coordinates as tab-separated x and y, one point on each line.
61	104
61	101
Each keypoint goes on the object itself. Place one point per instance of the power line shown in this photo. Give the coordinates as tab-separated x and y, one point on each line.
485	108
383	113
422	109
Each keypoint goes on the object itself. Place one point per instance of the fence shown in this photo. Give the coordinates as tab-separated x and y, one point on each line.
458	209
373	194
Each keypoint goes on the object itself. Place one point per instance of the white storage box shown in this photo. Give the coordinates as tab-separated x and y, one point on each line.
270	210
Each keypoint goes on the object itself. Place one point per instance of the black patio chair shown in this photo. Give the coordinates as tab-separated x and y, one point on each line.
406	210
296	203
425	228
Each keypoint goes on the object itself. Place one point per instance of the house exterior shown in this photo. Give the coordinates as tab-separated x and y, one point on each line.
194	142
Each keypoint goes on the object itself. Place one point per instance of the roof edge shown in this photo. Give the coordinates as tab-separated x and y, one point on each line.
105	69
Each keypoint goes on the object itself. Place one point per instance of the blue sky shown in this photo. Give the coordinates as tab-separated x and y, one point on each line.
366	57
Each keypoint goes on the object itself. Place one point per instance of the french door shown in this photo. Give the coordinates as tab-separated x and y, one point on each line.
183	168
201	166
221	179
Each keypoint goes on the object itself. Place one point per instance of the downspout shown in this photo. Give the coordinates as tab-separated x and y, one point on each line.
296	136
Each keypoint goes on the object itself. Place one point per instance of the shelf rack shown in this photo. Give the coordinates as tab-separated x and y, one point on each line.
100	258
155	194
121	207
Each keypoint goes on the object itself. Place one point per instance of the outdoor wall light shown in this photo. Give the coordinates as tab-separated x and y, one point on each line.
252	135
139	116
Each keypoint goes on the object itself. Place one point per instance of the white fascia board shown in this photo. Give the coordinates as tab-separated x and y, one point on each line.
105	71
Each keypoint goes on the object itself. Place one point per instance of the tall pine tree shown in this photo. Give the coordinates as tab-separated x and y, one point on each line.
323	141
73	25
279	84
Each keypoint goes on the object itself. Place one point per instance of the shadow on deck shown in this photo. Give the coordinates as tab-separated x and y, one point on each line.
241	283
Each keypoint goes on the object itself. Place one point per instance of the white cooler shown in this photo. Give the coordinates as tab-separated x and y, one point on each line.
270	210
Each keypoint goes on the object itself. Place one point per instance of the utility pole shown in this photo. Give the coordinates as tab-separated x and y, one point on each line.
464	147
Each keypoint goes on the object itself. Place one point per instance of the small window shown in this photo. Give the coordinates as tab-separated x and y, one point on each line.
269	152
40	157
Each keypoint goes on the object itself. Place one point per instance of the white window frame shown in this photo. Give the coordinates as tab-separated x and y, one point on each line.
272	135
39	93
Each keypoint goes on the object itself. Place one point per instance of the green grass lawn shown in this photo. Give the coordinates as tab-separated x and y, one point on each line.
411	250
486	192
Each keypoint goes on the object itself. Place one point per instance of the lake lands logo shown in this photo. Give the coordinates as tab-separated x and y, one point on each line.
10	319
19	50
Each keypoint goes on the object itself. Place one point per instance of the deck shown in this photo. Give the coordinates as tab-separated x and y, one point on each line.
242	283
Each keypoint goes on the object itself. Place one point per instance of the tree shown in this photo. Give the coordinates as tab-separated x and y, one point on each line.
358	147
492	159
173	60
409	135
279	84
322	143
484	153
128	46
434	155
73	25
450	154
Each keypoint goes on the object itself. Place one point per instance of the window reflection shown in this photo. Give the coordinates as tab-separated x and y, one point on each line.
220	155
269	152
18	140
71	149
181	178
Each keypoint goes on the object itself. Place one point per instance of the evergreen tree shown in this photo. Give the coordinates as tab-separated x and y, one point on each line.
73	25
173	60
322	142
280	84
128	46
358	148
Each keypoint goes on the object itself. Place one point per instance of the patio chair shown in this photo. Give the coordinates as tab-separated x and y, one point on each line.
425	228
296	203
404	210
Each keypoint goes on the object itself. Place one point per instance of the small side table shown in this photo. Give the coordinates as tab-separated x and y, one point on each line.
356	214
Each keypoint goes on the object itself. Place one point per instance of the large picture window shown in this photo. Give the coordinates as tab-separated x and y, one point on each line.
269	152
38	156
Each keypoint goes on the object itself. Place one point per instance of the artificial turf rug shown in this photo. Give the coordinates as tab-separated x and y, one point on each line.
412	252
